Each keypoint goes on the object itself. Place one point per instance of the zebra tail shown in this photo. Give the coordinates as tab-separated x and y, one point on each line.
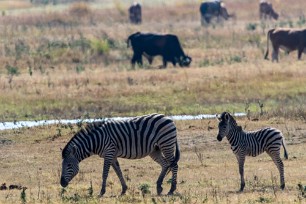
285	150
177	155
176	158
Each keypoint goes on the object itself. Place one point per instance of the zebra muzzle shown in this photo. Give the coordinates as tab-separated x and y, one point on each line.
64	183
219	138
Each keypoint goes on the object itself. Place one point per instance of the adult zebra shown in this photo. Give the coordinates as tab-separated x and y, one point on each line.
252	143
153	135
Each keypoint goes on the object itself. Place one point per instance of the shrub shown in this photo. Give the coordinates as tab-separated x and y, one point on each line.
11	70
251	26
145	189
236	58
99	47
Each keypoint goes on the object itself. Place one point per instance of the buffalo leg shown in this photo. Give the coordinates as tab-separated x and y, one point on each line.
300	51
164	63
136	59
174	62
275	53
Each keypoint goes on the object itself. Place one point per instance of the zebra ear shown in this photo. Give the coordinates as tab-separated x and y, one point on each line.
226	116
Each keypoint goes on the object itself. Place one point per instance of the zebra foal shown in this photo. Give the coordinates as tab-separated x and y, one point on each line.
149	135
252	143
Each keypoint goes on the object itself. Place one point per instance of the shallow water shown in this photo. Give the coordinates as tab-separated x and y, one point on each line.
21	124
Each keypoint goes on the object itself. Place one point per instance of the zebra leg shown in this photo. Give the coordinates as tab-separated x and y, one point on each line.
118	171
174	170
279	164
158	157
241	160
107	163
169	157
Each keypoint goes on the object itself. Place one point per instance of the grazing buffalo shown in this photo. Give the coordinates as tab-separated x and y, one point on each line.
286	39
213	9
150	45
135	13
266	11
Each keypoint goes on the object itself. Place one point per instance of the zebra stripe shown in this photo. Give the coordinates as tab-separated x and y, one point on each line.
149	135
252	143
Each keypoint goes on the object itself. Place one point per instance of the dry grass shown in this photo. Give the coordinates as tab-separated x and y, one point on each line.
16	4
73	64
208	174
64	74
104	92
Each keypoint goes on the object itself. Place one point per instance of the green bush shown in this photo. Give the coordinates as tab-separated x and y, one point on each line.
11	70
100	47
144	188
251	26
236	58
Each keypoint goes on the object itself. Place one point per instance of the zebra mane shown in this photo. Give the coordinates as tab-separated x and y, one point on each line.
66	150
83	131
239	128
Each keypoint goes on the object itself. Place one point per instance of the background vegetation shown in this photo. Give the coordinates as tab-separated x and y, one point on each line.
70	60
64	59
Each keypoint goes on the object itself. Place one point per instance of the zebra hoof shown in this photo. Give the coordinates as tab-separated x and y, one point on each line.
159	190
170	193
123	190
102	192
283	186
241	187
240	190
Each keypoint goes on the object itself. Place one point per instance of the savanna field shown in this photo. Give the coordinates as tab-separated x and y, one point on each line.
69	60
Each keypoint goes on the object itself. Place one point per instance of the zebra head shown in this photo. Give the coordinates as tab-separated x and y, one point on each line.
224	125
70	165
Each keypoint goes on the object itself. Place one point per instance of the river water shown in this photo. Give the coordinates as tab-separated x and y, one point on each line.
21	124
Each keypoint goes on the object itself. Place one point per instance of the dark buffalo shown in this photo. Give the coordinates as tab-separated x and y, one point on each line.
286	39
213	9
151	45
266	11
135	13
